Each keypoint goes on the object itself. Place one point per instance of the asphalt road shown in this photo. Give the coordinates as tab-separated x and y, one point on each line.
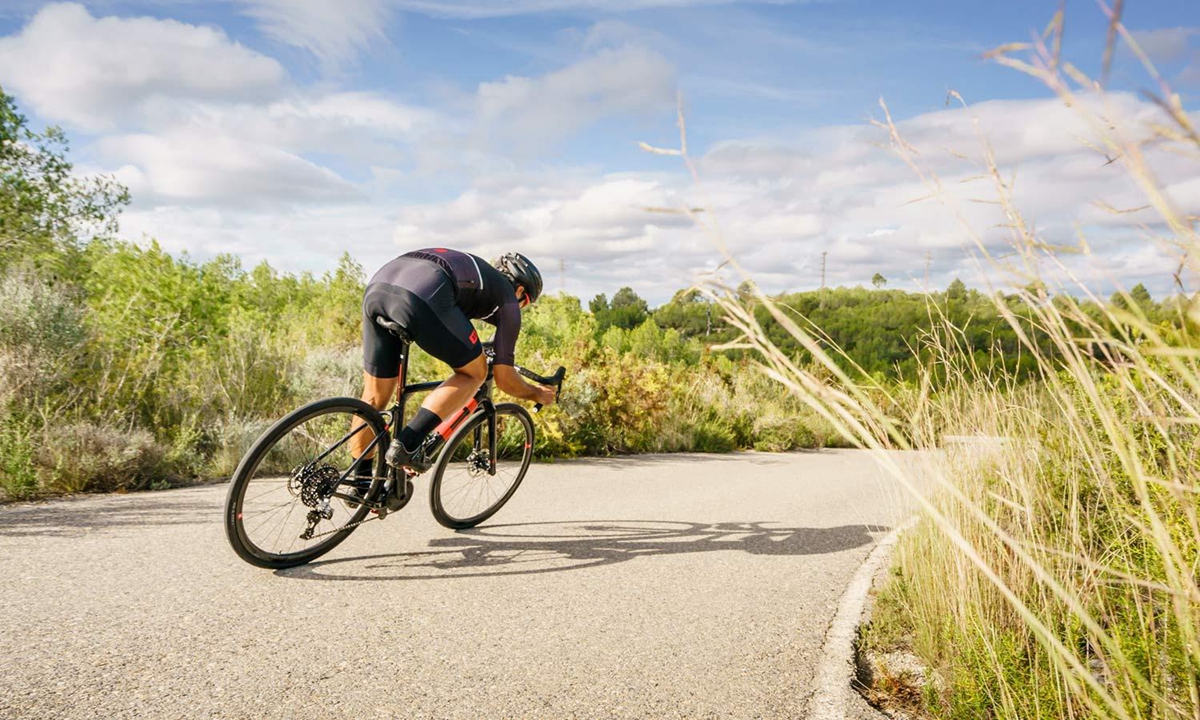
654	586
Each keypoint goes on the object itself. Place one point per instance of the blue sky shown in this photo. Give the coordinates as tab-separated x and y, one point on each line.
291	130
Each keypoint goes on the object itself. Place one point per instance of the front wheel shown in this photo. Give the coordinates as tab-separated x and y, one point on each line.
464	492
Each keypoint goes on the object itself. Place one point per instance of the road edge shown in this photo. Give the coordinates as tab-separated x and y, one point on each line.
835	669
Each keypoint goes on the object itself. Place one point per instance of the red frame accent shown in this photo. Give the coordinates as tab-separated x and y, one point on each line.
452	422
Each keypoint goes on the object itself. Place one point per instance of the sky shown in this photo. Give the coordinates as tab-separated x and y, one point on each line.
292	131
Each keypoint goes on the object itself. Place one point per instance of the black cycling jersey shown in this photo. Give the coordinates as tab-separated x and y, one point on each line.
432	293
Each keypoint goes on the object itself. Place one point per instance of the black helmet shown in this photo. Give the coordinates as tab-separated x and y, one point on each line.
521	271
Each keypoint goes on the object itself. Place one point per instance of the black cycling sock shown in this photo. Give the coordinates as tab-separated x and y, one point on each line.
415	431
362	467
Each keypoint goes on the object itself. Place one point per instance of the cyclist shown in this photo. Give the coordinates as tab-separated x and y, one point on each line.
434	294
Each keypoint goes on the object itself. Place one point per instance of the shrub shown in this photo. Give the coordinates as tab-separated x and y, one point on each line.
18	475
326	372
41	333
83	457
234	438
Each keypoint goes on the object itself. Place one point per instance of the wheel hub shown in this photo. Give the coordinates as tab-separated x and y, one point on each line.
477	463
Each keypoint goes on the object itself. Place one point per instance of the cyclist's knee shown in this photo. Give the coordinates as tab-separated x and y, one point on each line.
377	392
475	371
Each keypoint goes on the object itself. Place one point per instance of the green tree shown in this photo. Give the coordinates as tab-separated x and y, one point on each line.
745	292
1141	296
45	212
626	311
879	280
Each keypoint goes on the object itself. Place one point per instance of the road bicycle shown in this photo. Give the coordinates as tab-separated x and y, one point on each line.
295	495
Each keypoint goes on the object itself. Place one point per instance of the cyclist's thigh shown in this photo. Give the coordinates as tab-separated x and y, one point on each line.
445	332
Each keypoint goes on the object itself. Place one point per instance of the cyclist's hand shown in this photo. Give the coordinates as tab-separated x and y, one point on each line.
545	395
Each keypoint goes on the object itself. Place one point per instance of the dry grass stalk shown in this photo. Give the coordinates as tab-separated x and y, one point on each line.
1080	532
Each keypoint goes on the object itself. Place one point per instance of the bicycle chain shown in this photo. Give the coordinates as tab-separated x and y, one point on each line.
345	527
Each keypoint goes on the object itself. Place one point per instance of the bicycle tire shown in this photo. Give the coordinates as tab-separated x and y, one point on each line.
246	547
520	438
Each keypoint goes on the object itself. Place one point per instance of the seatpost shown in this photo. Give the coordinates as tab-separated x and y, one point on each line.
401	396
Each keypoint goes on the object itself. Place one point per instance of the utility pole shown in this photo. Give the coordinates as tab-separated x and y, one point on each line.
928	259
562	276
823	254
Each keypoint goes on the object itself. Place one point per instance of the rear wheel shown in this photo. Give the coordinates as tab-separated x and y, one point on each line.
281	509
464	493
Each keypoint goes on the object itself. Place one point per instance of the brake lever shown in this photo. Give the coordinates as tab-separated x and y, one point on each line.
556	383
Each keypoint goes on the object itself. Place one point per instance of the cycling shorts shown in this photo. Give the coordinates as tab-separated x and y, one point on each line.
421	297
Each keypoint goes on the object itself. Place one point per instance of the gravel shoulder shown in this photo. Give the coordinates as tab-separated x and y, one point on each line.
649	586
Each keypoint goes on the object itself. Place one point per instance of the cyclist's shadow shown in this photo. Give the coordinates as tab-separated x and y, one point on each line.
531	548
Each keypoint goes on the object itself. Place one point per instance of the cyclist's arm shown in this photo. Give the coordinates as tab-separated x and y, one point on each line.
511	383
508	327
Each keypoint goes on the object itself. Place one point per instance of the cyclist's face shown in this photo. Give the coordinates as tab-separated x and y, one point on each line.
522	298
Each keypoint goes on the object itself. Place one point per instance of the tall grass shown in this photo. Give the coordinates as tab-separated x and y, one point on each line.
1055	571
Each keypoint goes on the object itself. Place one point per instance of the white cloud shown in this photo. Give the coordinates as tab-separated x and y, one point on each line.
532	113
362	127
92	72
218	147
184	114
183	166
781	204
333	31
1166	45
302	239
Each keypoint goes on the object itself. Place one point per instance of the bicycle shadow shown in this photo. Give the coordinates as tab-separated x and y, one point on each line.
536	548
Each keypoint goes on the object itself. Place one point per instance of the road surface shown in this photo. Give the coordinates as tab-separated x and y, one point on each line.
651	586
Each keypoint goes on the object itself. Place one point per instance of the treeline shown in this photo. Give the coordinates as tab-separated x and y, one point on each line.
884	334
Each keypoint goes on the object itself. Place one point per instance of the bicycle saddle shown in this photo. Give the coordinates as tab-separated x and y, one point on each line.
394	328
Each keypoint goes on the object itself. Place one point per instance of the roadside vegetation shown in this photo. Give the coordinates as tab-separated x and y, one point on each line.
1055	570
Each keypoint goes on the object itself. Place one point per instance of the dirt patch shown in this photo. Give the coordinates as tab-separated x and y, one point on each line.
893	683
888	674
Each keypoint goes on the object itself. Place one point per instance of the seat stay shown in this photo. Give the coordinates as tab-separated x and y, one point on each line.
338	444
